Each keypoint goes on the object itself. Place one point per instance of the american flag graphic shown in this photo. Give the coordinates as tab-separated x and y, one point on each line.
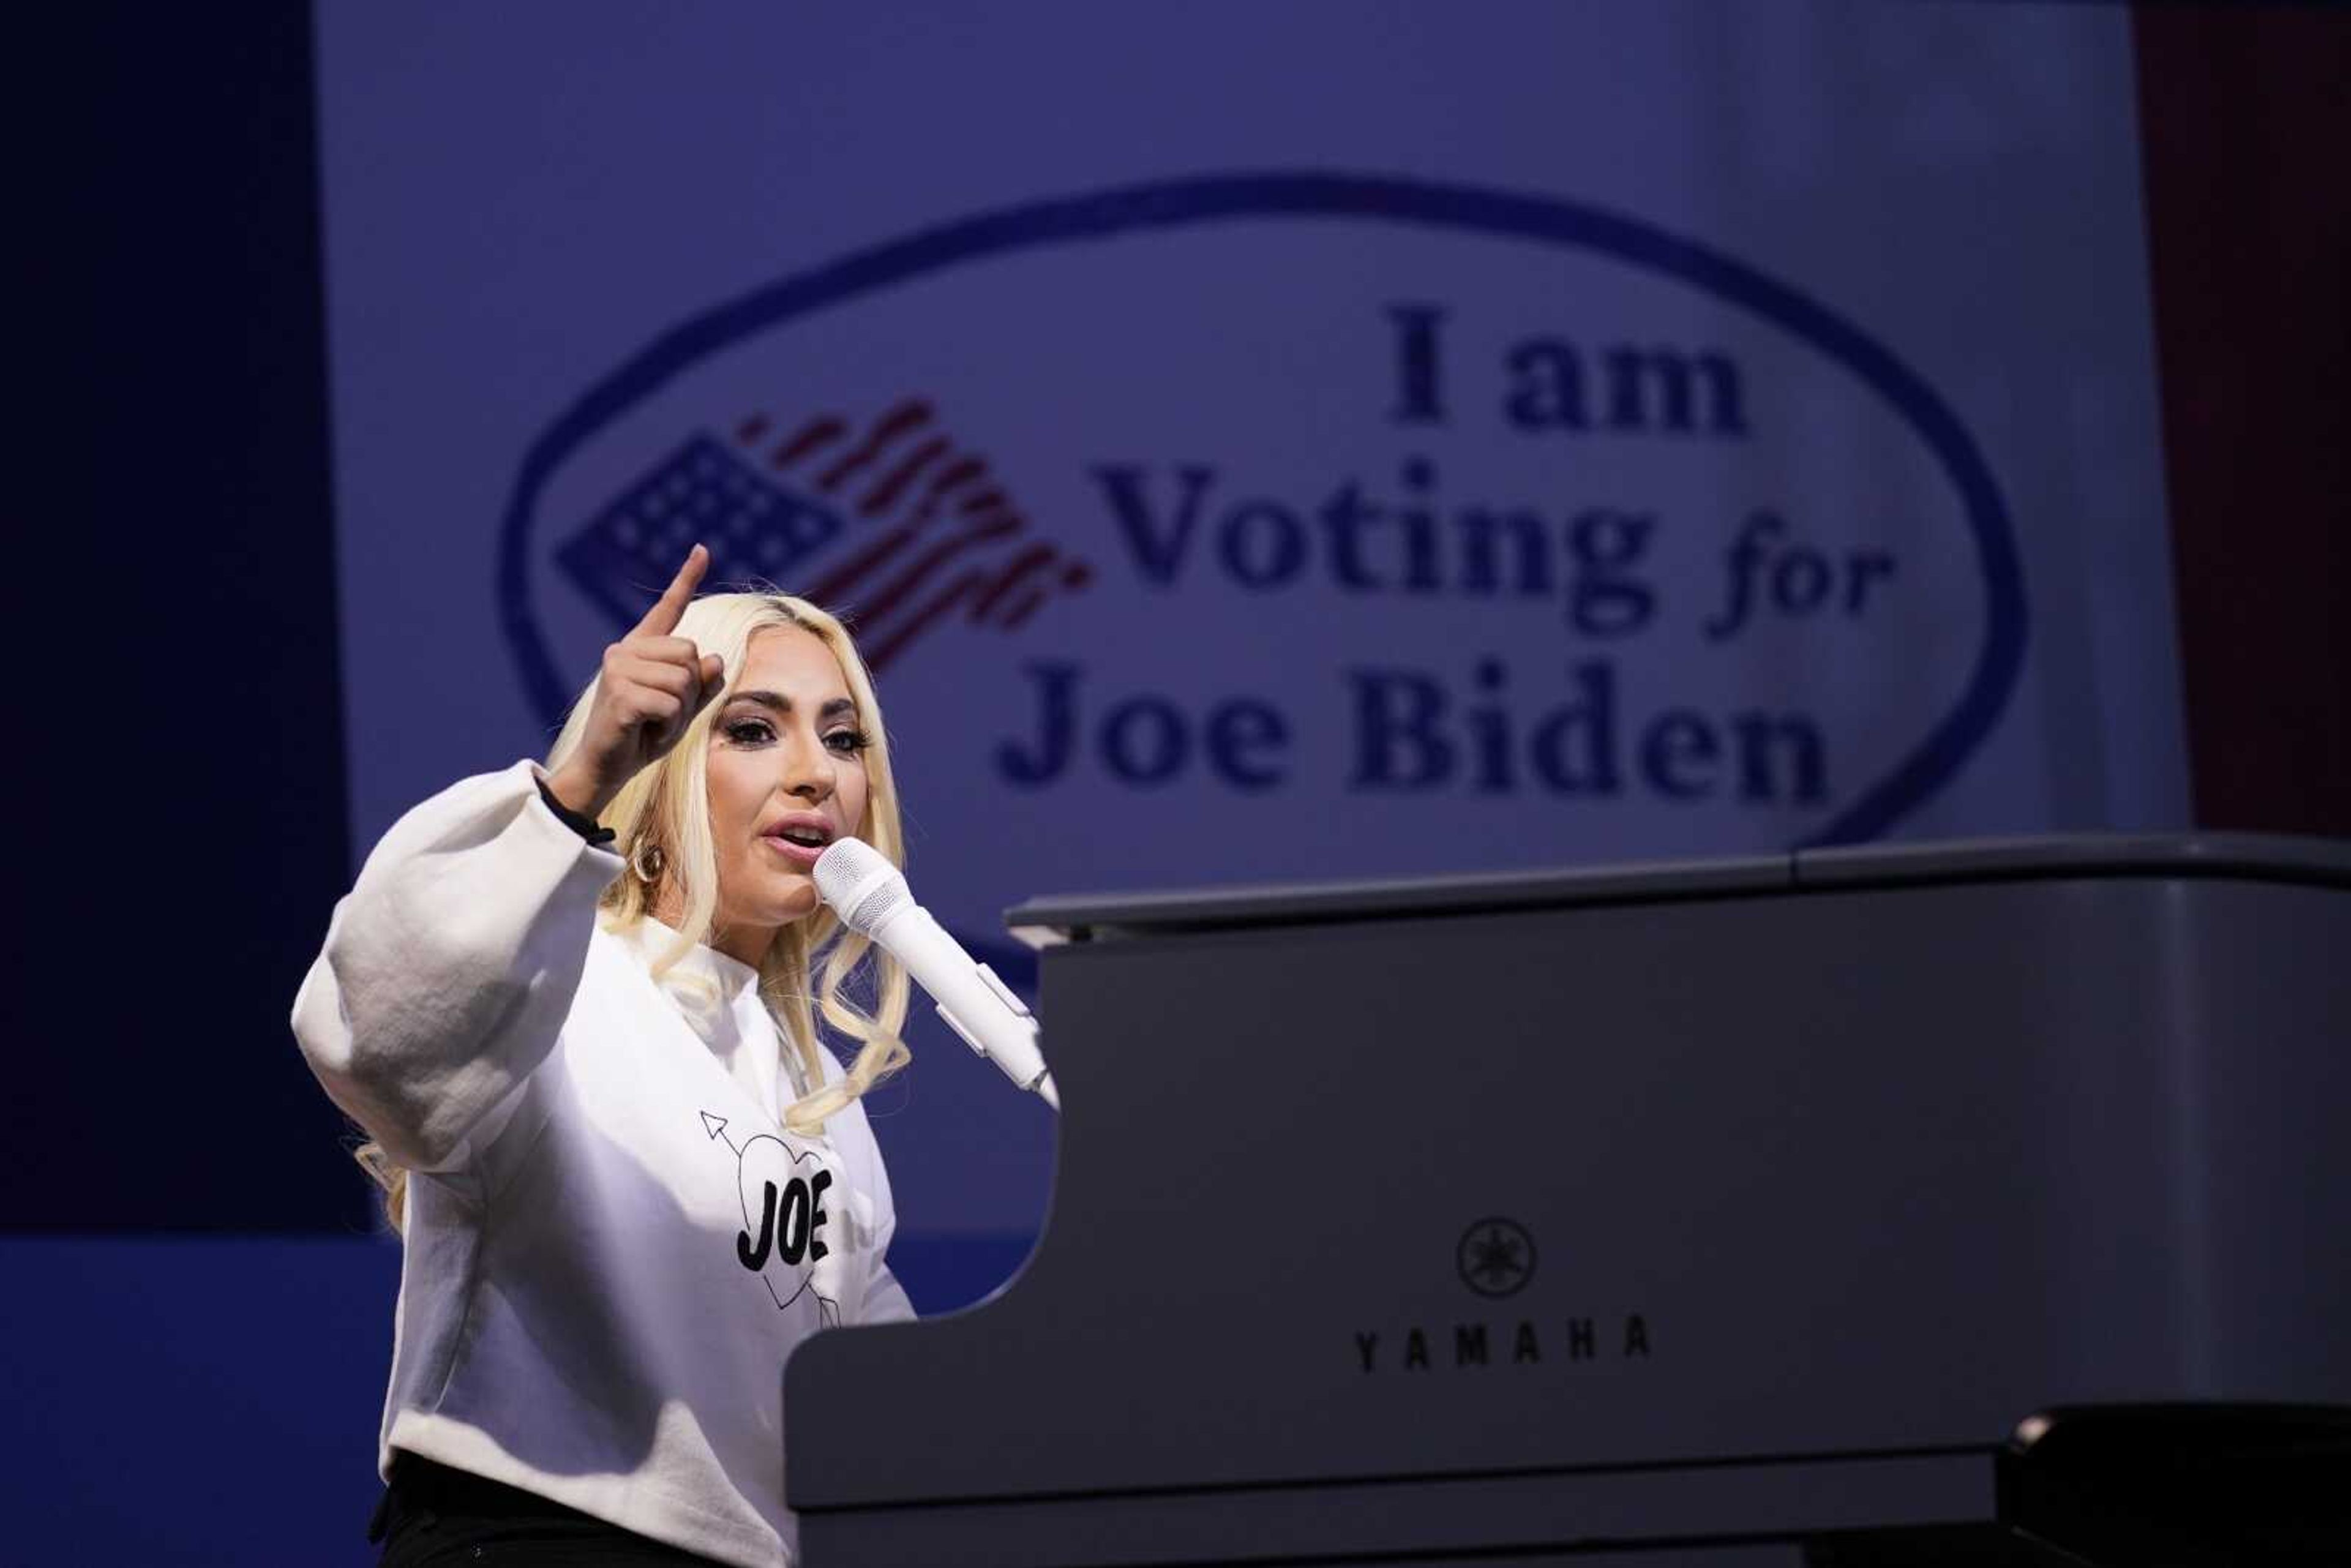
893	527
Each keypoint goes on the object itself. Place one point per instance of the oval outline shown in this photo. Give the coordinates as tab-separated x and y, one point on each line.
1175	202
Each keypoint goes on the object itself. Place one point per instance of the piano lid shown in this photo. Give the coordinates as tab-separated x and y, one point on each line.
2256	857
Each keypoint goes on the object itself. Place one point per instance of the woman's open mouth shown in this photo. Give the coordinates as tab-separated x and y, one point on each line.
799	841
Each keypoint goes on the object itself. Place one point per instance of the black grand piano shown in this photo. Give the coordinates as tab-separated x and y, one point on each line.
1975	1203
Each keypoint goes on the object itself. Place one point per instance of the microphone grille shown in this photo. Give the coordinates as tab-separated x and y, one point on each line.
860	883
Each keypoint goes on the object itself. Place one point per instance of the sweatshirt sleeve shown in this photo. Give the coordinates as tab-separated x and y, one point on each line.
449	968
885	1299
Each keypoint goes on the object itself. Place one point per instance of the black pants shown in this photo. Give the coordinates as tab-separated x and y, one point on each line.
435	1517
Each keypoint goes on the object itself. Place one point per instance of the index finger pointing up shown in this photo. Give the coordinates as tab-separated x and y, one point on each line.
662	619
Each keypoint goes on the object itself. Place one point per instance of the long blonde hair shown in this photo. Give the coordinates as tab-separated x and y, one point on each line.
666	806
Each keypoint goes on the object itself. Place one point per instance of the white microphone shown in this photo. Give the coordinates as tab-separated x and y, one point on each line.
871	896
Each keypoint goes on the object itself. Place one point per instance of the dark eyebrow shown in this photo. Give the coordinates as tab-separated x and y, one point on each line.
782	704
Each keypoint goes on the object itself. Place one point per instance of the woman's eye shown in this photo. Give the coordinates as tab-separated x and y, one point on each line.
847	741
749	732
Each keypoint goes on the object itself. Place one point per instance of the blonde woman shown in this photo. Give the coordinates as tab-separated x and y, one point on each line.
576	1010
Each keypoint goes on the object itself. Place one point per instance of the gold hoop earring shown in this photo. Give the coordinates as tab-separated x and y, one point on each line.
647	861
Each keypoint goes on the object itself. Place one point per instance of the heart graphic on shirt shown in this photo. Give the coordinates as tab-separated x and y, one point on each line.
785	1218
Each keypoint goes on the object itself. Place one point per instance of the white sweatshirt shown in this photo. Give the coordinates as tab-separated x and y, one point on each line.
612	1242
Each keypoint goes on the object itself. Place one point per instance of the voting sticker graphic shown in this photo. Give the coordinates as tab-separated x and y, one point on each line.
1279	512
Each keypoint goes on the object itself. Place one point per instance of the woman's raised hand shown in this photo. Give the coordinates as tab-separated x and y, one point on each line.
651	684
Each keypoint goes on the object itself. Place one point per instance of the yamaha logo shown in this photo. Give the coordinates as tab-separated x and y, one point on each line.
1495	1259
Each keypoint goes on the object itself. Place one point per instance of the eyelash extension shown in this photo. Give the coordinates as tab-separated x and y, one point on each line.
759	732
